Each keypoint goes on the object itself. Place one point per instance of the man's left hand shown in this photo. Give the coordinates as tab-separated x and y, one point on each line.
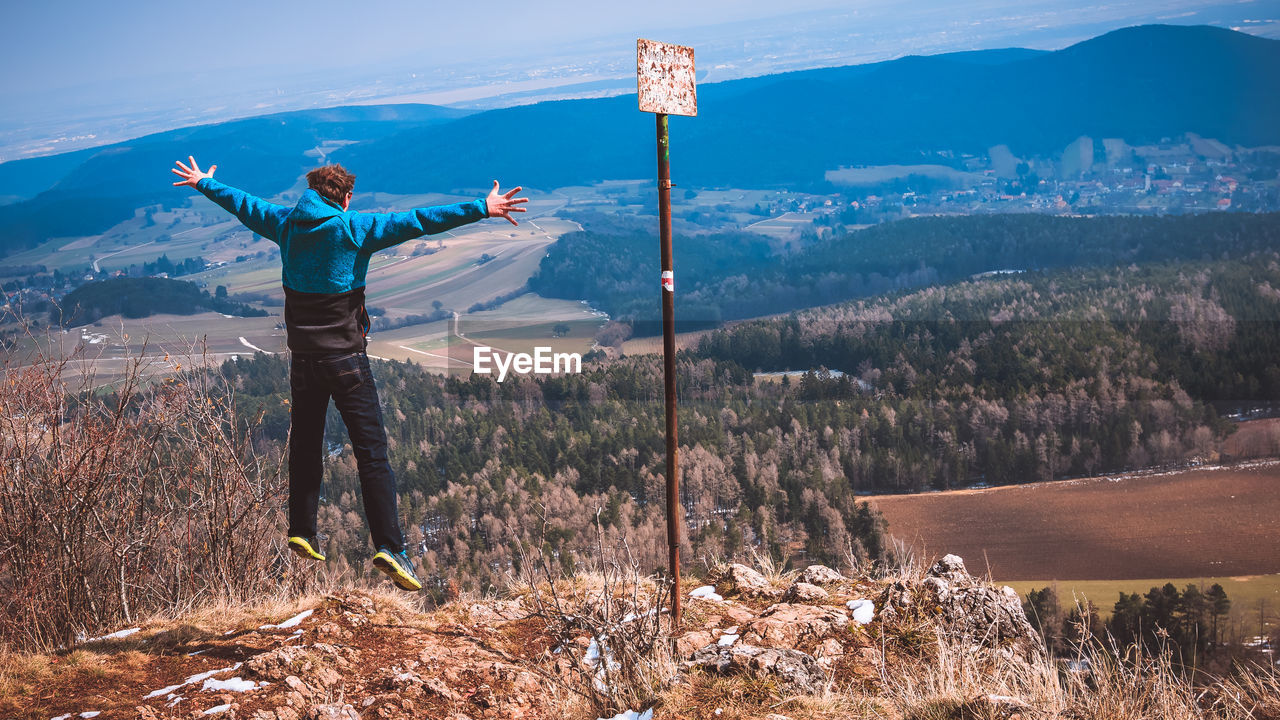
502	205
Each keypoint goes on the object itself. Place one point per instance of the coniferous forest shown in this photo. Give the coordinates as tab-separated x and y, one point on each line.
1004	379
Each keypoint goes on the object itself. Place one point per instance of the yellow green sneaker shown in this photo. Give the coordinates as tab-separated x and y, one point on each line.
306	547
397	566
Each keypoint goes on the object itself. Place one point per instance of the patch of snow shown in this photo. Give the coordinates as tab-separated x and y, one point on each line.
62	717
162	691
217	709
115	635
706	591
197	652
176	699
198	677
294	621
235	684
727	639
632	715
864	611
91	714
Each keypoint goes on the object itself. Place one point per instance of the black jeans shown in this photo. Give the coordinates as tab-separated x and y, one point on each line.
345	377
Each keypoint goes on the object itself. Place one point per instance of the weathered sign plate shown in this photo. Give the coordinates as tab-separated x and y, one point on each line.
665	78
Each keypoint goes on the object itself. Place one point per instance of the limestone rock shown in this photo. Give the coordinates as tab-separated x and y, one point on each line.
276	665
727	614
820	575
951	568
741	580
436	686
795	671
937	588
828	652
805	592
963	607
692	641
334	631
332	712
350	603
787	625
989	614
328	677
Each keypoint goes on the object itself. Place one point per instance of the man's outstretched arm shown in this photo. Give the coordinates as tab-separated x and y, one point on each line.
378	231
258	215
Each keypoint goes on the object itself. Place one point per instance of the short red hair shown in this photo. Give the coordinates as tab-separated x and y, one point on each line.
332	182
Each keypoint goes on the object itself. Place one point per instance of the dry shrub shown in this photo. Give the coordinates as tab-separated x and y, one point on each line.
149	494
622	614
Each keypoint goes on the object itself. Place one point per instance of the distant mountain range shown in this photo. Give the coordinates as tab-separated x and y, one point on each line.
88	191
1139	84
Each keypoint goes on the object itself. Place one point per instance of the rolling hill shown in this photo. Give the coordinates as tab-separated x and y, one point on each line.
87	191
1139	84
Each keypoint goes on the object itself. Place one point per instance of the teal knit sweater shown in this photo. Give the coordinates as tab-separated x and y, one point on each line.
325	249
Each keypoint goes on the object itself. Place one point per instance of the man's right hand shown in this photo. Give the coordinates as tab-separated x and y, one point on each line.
191	175
502	204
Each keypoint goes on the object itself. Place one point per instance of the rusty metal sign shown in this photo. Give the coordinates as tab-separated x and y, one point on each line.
665	78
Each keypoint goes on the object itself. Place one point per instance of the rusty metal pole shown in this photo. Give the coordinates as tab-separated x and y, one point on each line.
675	511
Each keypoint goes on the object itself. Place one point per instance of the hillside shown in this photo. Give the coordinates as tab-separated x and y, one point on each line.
1139	84
87	191
142	297
728	276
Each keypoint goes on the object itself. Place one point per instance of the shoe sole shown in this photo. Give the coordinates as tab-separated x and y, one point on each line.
303	549
403	580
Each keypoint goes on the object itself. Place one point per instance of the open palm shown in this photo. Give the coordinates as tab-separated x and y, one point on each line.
501	204
191	175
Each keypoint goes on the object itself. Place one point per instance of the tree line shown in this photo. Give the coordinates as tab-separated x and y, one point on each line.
143	297
728	276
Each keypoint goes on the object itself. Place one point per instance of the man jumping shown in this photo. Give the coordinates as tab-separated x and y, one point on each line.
325	250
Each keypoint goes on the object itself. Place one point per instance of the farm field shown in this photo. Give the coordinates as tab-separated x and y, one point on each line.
518	325
1203	522
1247	593
653	343
105	348
786	226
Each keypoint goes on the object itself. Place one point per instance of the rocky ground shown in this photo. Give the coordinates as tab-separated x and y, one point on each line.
747	641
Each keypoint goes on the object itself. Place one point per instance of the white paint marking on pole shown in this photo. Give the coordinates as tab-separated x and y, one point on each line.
665	78
668	281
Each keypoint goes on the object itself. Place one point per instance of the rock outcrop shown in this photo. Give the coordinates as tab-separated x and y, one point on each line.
795	671
820	575
741	581
965	609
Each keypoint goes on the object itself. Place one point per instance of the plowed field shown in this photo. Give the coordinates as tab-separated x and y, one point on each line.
1203	522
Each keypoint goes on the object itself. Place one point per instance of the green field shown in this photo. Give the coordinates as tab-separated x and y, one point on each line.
1249	595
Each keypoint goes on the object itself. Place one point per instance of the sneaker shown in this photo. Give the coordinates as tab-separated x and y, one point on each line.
398	567
306	546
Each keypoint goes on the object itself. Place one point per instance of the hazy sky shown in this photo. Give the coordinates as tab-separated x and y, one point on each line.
81	73
66	43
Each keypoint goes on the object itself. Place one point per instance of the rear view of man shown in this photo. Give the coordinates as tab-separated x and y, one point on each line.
325	251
